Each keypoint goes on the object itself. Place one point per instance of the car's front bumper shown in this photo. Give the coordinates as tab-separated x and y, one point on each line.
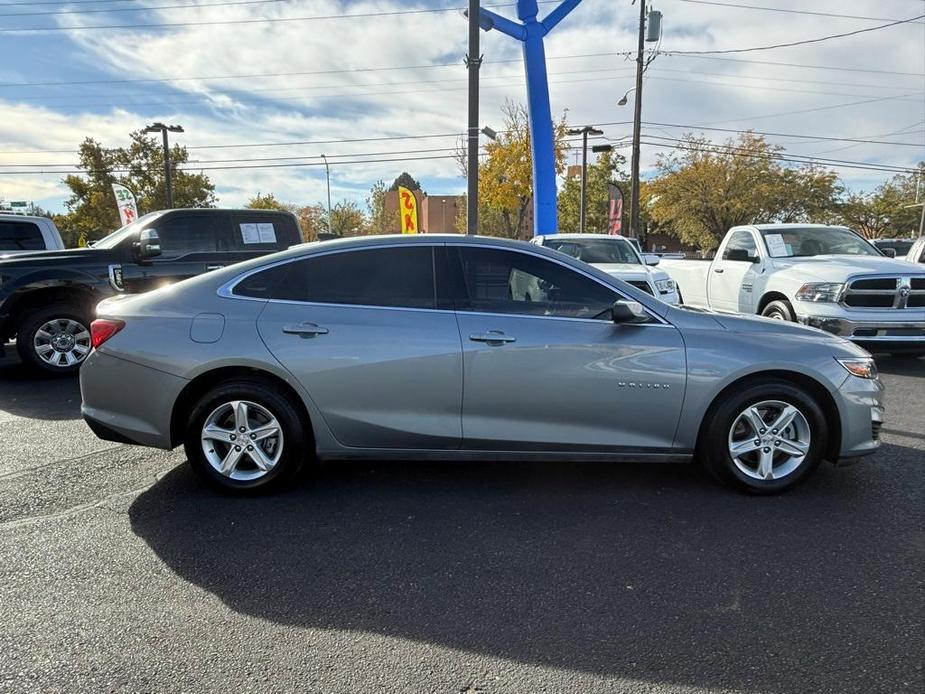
127	402
862	408
886	332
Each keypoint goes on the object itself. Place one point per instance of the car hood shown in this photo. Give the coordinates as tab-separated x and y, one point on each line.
837	268
770	327
631	271
69	255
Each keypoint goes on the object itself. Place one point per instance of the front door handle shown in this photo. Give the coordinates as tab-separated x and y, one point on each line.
210	268
492	337
718	270
305	329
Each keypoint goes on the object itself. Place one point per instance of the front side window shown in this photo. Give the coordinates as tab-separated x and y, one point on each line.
396	277
499	281
20	236
184	235
602	250
741	246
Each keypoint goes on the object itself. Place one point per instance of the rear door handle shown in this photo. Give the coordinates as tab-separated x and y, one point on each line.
209	268
495	337
305	329
718	270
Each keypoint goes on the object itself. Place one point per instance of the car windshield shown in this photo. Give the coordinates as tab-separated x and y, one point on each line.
115	238
805	242
602	250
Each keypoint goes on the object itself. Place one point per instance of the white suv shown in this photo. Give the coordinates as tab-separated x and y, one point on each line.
616	256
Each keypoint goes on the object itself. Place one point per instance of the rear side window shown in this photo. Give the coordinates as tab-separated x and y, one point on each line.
20	236
397	277
183	235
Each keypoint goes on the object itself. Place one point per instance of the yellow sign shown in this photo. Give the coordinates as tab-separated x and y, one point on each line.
407	211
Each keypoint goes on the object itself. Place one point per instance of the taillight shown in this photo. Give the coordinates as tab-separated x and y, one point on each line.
102	329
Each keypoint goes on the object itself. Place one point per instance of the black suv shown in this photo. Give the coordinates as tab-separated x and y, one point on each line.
47	299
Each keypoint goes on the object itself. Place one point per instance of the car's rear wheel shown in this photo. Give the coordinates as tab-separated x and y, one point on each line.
764	439
54	340
244	436
779	310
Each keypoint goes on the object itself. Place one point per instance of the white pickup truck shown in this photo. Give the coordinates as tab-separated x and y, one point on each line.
25	234
822	276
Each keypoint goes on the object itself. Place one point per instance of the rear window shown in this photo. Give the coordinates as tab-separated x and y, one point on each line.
396	277
20	236
263	232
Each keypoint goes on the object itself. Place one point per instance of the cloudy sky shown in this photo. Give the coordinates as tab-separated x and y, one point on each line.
350	78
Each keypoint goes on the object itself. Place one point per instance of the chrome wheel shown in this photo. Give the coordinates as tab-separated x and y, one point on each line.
62	342
769	440
242	440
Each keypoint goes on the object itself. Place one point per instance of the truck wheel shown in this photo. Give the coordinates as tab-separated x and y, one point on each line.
55	339
764	439
244	435
779	310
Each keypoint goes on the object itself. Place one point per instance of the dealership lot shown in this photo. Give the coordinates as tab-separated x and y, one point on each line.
121	571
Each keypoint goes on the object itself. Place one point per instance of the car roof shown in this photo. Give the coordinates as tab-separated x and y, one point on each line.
12	216
578	236
782	227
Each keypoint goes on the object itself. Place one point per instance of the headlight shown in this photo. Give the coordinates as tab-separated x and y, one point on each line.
863	367
820	291
665	286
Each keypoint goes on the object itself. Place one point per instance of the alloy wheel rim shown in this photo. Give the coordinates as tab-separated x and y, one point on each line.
769	440
62	342
242	440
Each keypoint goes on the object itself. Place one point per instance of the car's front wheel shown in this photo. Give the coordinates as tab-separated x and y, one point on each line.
245	435
764	439
779	310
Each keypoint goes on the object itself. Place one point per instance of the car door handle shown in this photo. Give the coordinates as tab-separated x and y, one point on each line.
719	270
305	329
209	268
492	337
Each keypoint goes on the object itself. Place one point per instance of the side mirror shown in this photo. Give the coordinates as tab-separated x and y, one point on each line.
741	255
625	311
148	245
888	252
650	259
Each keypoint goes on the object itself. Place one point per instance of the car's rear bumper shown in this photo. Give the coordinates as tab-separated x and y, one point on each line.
126	402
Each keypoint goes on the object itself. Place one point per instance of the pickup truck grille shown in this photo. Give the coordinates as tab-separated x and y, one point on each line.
641	284
885	292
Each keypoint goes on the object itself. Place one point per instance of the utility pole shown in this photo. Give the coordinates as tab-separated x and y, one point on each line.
473	63
637	122
327	175
584	132
163	130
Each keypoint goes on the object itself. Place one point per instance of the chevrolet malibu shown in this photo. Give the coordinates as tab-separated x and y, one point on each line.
465	348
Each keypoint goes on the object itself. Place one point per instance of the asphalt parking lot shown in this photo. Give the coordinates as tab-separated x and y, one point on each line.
120	571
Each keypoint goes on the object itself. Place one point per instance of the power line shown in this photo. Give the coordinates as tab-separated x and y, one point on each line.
800	65
794	135
254	20
808	110
798	43
789	11
147	8
338	71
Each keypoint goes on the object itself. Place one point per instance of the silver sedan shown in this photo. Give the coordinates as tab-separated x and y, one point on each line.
465	348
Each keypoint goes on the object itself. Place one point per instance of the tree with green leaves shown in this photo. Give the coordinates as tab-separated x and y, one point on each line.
347	219
704	188
267	201
92	210
406	180
378	219
601	174
888	210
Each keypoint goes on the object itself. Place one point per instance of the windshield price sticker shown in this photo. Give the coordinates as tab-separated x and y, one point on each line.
776	246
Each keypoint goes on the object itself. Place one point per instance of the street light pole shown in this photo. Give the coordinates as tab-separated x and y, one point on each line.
583	207
327	175
637	120
473	63
164	129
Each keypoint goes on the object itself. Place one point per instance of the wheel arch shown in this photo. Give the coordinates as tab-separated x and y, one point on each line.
770	296
816	389
32	299
204	382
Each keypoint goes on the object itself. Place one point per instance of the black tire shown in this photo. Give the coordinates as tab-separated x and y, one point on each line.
713	448
29	328
296	437
781	310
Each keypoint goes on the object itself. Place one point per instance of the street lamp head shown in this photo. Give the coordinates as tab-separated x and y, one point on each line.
602	148
622	101
489	133
175	128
